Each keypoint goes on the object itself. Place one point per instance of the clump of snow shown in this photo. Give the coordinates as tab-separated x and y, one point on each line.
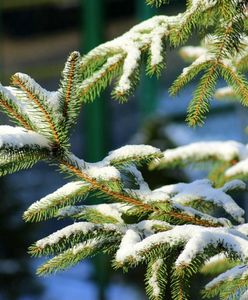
243	228
157	46
129	240
149	196
104	173
132	152
130	64
20	137
239	169
192	212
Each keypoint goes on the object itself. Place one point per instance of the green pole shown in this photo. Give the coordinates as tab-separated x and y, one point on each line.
1	42
95	125
94	113
147	96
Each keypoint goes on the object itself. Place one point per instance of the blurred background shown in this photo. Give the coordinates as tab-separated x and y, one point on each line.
36	36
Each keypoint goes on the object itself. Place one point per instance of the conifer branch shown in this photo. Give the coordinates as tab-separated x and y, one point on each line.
20	82
12	110
173	229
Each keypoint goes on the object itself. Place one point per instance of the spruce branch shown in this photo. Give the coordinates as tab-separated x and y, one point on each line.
69	83
156	278
37	96
156	3
173	229
9	105
48	206
228	283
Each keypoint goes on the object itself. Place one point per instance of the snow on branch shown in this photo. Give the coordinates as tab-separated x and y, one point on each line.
238	271
18	137
48	206
127	49
202	190
133	154
202	151
67	233
108	213
228	283
195	239
218	52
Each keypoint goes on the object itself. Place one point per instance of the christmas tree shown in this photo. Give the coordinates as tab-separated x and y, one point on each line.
174	230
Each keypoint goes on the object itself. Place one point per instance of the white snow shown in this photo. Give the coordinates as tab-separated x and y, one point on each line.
157	46
33	85
154	281
108	210
147	227
114	210
138	178
20	137
104	173
82	246
205	237
243	228
240	271
195	238
244	296
192	53
206	3
205	217
239	169
201	151
146	34
68	190
184	193
200	60
233	185
132	152
215	259
53	100
66	232
224	93
128	242
130	64
148	195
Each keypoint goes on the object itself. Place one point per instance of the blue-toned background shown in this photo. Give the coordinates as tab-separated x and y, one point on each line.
36	36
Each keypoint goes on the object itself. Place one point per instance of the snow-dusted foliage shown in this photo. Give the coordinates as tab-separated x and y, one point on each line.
173	229
233	154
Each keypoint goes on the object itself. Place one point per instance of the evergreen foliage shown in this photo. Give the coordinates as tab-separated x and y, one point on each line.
174	229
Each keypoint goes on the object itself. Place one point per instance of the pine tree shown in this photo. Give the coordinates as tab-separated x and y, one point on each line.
174	230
